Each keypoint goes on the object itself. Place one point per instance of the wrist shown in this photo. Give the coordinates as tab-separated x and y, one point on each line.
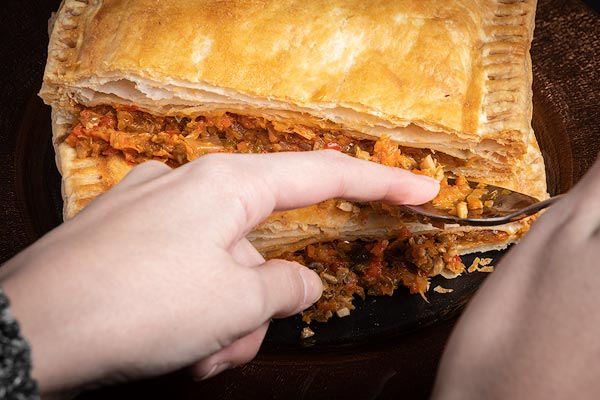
15	369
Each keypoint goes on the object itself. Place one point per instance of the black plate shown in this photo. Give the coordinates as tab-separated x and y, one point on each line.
389	344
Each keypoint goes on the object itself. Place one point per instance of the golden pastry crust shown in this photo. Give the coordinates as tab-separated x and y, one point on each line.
332	220
451	76
83	179
454	77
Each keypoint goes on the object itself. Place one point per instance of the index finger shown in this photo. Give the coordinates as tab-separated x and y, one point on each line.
265	183
329	173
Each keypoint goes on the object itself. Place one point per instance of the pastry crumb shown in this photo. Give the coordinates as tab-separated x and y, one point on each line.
481	265
306	333
439	289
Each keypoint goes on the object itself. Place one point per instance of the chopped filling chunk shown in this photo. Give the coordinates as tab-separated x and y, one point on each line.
140	136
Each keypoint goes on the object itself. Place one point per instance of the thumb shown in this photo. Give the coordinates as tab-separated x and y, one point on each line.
290	287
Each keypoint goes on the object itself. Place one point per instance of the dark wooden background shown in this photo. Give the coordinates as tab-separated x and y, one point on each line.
566	54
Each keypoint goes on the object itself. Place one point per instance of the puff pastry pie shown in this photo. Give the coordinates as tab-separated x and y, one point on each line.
442	87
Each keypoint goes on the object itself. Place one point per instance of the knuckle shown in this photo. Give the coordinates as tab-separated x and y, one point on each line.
334	157
147	169
213	167
153	165
227	179
215	174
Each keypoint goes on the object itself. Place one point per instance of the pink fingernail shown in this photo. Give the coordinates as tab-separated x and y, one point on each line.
210	373
215	370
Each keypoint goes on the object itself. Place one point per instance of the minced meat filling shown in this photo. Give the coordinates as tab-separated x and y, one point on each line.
379	267
376	267
140	136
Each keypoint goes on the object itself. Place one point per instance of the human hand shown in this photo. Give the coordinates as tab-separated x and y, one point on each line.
156	274
532	329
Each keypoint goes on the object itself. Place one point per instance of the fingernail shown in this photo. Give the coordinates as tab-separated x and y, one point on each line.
313	287
215	370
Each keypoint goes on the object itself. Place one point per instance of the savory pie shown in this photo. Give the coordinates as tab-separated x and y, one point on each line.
438	87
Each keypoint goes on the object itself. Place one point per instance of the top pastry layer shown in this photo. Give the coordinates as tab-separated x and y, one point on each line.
450	76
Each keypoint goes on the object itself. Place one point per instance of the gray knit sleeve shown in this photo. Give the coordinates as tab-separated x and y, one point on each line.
15	358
